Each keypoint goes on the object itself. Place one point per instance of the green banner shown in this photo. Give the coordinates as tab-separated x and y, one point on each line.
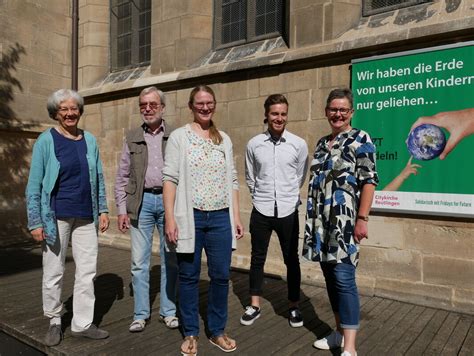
391	94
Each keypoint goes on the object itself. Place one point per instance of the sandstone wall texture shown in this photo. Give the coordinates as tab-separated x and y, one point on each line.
34	61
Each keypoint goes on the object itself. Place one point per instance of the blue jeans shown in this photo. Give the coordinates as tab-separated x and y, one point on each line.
213	233
152	213
342	292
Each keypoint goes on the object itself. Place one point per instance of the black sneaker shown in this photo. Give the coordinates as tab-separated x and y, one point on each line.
251	314
295	318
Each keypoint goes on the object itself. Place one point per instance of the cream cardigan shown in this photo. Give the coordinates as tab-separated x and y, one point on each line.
176	170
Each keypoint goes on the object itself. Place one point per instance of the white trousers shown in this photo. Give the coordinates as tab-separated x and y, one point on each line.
84	241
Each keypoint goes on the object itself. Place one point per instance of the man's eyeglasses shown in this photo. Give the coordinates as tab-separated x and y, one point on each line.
64	111
153	106
343	111
210	105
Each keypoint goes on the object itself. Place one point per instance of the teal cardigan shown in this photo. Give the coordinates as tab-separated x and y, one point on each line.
44	173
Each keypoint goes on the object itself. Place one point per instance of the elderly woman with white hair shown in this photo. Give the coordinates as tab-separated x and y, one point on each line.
66	201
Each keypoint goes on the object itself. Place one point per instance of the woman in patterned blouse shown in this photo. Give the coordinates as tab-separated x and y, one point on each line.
341	188
201	199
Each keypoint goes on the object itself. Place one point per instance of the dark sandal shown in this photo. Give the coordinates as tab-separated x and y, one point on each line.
191	348
224	342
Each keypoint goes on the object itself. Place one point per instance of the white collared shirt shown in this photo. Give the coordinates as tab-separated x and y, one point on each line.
275	172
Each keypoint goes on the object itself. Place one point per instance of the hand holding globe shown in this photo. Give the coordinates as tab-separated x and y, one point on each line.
459	124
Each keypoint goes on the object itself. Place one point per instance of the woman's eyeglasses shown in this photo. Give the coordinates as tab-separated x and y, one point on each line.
210	105
64	111
343	111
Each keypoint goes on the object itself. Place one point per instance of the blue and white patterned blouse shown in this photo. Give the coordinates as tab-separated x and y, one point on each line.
337	177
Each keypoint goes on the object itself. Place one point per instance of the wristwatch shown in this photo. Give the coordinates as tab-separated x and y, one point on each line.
362	217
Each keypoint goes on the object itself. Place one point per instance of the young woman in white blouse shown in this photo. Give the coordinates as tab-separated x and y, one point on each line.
201	198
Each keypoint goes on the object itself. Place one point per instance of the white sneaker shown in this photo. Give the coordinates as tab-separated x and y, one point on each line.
347	353
333	341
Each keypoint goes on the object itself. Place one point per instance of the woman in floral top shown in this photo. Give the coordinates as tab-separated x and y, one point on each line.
341	188
201	199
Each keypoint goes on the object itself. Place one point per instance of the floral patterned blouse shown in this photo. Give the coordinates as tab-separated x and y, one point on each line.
337	176
208	173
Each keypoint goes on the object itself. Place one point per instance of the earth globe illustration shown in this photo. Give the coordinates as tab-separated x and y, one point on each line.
426	142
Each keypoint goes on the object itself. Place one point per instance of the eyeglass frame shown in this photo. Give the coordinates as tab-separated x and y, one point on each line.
211	105
64	111
153	106
334	111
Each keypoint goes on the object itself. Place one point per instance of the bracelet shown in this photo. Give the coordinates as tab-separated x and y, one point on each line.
362	217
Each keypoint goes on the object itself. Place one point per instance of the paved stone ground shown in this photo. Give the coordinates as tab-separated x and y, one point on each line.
387	327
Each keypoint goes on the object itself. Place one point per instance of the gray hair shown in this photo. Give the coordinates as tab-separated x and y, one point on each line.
61	95
153	90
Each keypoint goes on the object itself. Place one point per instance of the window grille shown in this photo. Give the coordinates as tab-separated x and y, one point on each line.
268	17
144	31
371	7
242	21
234	20
130	33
